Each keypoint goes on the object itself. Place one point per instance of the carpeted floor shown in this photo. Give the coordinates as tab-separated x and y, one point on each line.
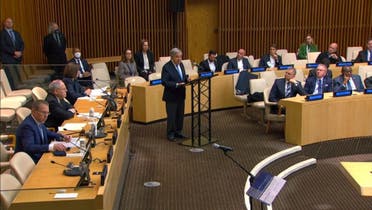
208	180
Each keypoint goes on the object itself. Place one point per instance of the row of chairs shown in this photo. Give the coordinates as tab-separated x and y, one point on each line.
15	169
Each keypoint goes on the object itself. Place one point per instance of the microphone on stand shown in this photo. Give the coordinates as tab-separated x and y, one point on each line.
222	147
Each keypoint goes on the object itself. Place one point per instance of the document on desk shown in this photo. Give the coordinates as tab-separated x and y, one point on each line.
98	92
266	187
74	141
72	127
65	195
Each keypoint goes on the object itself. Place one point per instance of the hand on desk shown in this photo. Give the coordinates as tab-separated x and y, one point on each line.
59	147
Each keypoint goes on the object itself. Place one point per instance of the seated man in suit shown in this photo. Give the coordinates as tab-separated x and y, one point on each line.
85	75
332	55
329	74
347	81
210	64
368	82
60	108
306	47
272	59
365	55
240	62
32	135
286	87
319	84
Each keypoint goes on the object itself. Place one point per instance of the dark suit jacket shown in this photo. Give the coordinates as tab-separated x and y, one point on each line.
368	82
138	57
233	64
55	53
204	66
311	83
338	83
29	139
278	90
7	48
266	58
362	56
325	55
74	90
58	111
169	77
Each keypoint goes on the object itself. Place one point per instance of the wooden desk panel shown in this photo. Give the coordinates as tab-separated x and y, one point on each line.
359	175
328	119
148	105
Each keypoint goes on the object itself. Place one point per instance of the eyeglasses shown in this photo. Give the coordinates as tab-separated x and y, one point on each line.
44	113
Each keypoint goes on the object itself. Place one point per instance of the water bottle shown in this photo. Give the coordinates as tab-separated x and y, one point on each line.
91	112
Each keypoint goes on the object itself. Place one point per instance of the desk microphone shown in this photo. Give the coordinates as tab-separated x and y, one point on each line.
54	162
81	132
222	147
70	170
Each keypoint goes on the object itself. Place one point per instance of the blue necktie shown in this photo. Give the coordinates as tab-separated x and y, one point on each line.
349	85
370	55
288	90
319	86
41	133
11	33
179	71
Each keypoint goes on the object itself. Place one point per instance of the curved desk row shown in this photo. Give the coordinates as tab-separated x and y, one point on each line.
47	179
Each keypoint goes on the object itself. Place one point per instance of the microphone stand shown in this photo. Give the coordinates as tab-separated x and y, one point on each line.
251	179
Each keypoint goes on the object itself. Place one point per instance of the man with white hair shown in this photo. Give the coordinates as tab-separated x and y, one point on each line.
60	108
174	78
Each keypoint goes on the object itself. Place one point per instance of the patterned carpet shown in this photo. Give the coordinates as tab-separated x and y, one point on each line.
208	180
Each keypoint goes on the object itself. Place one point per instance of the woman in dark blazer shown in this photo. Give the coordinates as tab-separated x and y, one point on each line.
74	89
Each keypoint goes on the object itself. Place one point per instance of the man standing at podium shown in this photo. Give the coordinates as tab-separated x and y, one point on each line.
174	78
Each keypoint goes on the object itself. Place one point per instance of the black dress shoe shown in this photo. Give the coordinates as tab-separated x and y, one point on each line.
171	138
180	136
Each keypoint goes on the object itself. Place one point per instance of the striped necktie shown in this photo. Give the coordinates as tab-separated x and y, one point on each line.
288	90
319	86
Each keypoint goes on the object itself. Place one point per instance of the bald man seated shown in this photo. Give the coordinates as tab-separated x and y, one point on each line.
331	55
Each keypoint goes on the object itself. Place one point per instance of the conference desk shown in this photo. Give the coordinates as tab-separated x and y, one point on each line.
148	105
359	175
327	119
46	178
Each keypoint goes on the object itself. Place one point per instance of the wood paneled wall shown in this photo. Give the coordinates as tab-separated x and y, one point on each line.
105	28
99	28
254	25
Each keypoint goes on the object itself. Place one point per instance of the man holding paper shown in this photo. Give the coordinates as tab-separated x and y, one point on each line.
32	135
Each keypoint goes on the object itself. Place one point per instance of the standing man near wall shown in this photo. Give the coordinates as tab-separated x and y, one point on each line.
11	51
174	79
54	47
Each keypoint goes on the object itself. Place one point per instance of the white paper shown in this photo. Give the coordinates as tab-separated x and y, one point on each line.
65	195
95	115
98	92
72	127
74	141
272	190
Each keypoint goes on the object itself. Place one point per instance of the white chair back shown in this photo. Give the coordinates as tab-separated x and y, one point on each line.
164	58
21	165
100	75
39	93
257	85
364	71
312	56
289	58
231	54
134	80
154	76
256	62
352	52
9	187
269	77
281	51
